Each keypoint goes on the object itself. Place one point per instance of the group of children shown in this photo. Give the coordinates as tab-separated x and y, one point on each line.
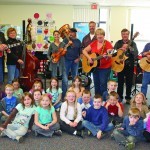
79	113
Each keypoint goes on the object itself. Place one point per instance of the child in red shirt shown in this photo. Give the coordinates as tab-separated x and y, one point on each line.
115	109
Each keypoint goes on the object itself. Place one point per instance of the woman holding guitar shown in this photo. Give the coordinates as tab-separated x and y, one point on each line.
101	73
55	54
146	66
13	58
130	49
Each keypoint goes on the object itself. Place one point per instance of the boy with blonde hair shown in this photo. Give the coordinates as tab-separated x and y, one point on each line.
131	130
111	86
8	103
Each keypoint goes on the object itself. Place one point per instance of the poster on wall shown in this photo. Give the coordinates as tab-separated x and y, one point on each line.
42	32
82	28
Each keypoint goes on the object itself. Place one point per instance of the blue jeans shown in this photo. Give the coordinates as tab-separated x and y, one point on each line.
71	65
1	70
58	105
13	73
93	128
74	71
145	82
100	77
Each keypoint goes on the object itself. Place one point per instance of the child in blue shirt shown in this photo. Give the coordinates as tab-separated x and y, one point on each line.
96	118
131	130
86	100
8	103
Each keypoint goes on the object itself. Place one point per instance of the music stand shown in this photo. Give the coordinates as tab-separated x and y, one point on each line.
133	92
42	57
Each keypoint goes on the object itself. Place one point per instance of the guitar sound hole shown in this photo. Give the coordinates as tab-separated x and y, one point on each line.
91	64
117	63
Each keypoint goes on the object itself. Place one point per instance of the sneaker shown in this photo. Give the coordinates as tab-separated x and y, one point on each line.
20	140
89	133
2	134
130	145
80	133
58	132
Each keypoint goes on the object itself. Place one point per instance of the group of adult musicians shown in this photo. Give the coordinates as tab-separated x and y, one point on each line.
95	42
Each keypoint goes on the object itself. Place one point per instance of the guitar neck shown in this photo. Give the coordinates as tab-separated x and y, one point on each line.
98	57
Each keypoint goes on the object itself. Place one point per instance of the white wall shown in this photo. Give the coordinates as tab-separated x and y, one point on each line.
14	14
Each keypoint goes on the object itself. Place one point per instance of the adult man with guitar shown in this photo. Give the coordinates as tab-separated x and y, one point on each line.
130	50
2	48
14	57
101	72
145	65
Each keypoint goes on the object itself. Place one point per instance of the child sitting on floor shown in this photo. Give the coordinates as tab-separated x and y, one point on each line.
111	85
71	115
96	118
85	101
8	103
45	118
131	130
115	109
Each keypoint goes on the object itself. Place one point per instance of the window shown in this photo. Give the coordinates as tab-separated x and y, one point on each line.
84	14
141	23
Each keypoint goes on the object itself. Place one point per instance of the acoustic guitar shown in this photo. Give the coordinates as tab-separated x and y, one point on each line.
10	46
145	64
118	61
87	67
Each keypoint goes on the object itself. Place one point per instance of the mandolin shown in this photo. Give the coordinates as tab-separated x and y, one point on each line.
118	61
145	64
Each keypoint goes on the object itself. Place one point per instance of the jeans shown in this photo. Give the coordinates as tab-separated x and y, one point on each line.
122	136
58	105
95	128
71	65
15	131
1	70
48	132
74	70
145	82
13	73
100	77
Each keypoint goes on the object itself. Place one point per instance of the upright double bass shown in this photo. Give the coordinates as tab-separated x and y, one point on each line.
28	72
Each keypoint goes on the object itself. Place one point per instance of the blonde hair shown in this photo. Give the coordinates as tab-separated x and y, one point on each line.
111	81
9	86
134	112
75	103
144	99
35	83
50	100
100	31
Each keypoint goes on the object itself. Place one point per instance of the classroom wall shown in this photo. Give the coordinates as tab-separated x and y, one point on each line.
63	14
